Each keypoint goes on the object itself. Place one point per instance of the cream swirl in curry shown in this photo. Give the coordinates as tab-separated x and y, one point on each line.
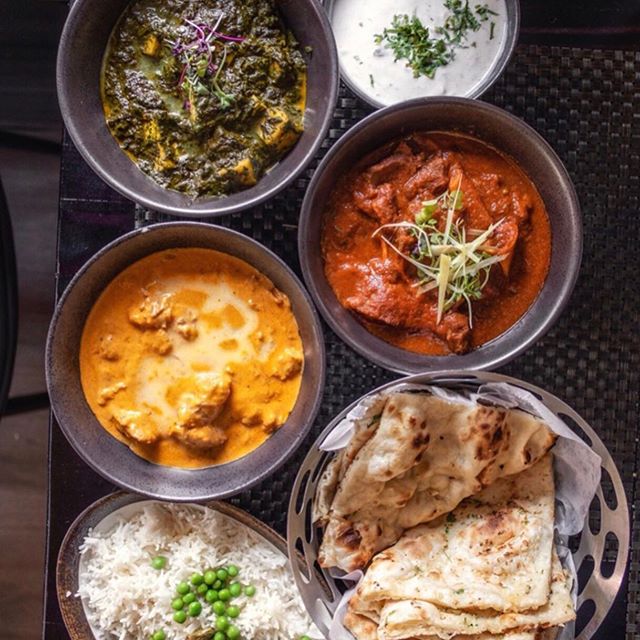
191	357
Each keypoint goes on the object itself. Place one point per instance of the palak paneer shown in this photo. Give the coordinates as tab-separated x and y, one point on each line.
205	96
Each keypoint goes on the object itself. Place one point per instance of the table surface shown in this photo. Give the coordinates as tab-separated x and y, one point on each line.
585	101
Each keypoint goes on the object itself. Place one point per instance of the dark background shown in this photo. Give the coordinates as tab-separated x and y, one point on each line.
594	127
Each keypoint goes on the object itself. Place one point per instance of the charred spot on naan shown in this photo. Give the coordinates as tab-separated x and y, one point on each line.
353	539
413	422
350	538
420	440
494	531
487	428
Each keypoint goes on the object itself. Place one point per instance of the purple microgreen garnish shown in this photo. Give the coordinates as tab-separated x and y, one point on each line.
223	36
202	61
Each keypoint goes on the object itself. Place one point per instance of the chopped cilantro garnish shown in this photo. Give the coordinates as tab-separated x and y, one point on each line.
410	40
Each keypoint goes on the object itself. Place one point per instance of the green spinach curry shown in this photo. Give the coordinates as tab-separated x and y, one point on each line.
204	95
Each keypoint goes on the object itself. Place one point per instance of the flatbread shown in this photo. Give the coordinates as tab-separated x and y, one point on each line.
362	628
335	470
411	618
493	551
424	457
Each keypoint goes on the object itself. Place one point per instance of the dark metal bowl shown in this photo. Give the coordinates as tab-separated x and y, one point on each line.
80	55
113	459
499	64
509	135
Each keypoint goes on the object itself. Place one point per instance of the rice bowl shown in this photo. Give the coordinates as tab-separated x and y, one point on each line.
124	596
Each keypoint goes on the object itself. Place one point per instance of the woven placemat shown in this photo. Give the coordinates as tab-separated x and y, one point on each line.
585	103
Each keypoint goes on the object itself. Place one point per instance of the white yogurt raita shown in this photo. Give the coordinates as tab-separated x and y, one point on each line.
372	69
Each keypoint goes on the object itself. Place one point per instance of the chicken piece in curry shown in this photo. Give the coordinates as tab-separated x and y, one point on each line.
437	242
191	357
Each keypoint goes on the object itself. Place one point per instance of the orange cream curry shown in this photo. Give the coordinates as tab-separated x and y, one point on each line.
191	357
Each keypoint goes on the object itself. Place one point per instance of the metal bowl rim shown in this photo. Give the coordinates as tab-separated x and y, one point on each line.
362	345
118	500
217	208
471	376
203	494
499	65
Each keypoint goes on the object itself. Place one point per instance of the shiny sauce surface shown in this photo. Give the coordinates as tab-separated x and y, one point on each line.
191	357
390	186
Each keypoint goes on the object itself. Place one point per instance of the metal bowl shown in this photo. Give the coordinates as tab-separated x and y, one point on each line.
499	64
113	459
100	516
80	56
509	135
603	544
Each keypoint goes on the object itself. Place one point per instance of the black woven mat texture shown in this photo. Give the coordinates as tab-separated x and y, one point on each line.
586	104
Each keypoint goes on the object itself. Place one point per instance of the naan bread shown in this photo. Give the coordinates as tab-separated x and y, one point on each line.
337	467
424	457
411	618
364	629
493	551
361	627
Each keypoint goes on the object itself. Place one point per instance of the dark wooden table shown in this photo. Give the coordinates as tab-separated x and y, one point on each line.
582	121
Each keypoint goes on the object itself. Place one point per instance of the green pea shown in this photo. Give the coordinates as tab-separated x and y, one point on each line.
220	635
235	589
182	588
217	584
224	595
179	616
233	633
232	570
202	589
250	591
195	609
159	562
177	604
209	577
196	579
222	623
221	574
233	611
189	598
219	608
159	635
211	596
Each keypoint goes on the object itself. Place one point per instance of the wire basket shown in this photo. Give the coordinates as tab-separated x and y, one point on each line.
600	551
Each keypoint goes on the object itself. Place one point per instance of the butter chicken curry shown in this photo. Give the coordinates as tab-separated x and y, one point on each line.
437	242
191	357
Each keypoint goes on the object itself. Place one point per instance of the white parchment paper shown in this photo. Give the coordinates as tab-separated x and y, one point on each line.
576	470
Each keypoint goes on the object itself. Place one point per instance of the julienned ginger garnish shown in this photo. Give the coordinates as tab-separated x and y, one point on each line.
456	261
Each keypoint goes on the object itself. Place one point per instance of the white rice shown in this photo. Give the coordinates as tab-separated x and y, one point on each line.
125	598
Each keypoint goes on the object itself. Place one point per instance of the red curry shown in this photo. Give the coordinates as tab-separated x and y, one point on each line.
414	200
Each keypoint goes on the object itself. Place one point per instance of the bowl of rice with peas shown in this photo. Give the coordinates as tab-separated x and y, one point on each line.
136	569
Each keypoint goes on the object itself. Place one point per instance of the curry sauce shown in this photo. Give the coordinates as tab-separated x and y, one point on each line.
191	357
399	220
205	96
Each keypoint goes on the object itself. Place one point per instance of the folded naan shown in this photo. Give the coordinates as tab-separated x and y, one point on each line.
362	628
338	465
411	618
418	461
494	551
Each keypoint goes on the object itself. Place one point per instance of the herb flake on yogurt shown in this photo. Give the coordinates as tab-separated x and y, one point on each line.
395	50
